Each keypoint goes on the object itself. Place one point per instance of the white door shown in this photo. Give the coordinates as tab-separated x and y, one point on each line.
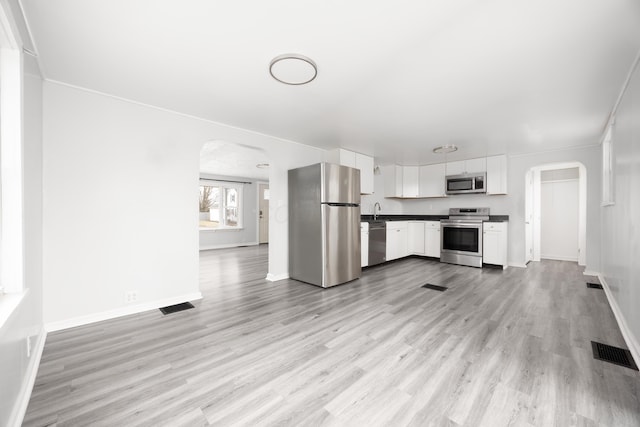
559	220
528	218
263	206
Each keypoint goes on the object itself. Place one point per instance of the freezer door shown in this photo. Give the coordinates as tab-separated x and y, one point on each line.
341	244
340	184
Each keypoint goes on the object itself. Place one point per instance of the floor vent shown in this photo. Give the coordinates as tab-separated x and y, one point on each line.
594	285
175	308
616	355
435	287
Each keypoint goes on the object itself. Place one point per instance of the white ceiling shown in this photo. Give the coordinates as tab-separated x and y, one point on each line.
224	158
395	79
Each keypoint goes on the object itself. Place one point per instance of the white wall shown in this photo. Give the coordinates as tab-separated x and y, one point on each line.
120	187
388	206
248	235
512	204
16	369
621	221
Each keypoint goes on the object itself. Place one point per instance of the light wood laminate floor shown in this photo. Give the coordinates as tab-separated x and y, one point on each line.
497	348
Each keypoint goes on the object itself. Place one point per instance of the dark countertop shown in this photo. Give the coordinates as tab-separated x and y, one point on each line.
365	218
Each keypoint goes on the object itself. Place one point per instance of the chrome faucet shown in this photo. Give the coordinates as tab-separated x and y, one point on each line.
375	215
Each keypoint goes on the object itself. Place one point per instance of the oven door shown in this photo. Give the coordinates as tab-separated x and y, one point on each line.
461	237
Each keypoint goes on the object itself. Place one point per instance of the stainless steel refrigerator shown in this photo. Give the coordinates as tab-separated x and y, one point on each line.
324	224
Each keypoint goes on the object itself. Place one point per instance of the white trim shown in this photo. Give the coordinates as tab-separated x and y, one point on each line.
275	277
591	273
229	245
258	184
559	258
20	407
11	171
536	186
554	150
168	110
223	228
517	265
119	312
8	304
629	338
614	110
9	36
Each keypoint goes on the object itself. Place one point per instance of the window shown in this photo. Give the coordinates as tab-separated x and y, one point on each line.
608	184
220	205
11	194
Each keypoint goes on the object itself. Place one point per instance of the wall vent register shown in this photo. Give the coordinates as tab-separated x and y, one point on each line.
615	355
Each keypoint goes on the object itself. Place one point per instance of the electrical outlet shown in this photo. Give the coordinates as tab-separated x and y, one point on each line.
28	347
131	296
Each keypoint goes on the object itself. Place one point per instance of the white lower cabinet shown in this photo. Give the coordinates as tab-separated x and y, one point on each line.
415	231
424	238
397	244
364	244
494	244
432	239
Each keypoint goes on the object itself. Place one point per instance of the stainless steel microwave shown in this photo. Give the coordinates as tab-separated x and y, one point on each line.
467	183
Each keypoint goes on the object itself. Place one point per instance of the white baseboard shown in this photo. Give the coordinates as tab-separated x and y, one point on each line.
591	273
20	407
119	312
517	264
227	246
275	277
629	338
559	258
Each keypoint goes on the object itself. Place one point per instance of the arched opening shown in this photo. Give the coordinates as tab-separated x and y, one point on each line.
233	213
556	212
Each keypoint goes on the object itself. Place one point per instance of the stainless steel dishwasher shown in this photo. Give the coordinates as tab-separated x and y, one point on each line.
377	242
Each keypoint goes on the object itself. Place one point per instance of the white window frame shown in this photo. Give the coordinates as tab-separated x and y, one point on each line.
239	187
11	170
608	169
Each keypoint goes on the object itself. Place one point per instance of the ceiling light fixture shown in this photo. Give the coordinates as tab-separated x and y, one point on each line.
293	69
449	148
262	165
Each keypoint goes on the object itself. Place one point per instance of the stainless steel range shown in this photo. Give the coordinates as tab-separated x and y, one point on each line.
461	236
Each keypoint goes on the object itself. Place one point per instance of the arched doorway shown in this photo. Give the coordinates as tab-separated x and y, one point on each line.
233	178
552	193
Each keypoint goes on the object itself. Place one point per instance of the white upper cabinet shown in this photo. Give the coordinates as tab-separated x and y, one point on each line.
365	164
410	181
392	180
467	166
347	158
359	161
455	168
400	181
431	180
497	174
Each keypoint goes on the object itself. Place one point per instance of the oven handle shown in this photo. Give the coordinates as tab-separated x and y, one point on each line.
462	224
